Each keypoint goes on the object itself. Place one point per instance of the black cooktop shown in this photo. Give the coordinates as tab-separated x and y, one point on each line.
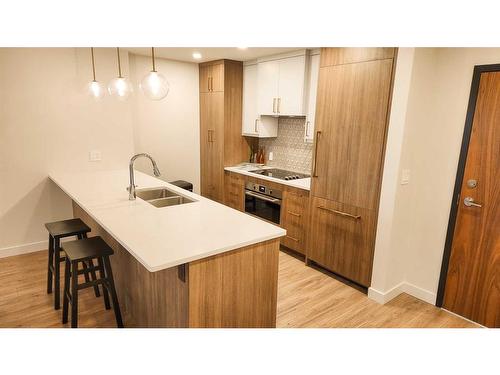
280	174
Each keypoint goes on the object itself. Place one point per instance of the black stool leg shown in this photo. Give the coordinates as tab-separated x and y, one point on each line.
114	297
66	292
104	286
57	276
74	294
51	264
94	278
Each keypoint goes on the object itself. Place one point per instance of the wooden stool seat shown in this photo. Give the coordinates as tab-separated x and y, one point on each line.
82	251
58	230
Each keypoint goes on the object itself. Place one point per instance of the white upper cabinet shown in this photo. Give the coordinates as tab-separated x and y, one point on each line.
268	83
254	125
281	82
312	83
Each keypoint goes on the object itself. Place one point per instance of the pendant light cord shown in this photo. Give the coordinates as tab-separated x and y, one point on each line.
93	62
119	64
153	58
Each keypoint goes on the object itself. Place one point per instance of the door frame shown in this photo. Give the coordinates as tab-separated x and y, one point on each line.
471	108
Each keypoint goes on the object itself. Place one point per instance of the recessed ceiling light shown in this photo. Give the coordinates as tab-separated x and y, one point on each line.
197	55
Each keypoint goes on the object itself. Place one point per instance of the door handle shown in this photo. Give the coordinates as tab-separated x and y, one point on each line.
469	202
274	105
211	83
341	213
316	154
293	213
279	102
307	128
256	130
208	135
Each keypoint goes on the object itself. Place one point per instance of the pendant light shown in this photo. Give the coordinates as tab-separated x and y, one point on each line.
154	85
95	88
120	86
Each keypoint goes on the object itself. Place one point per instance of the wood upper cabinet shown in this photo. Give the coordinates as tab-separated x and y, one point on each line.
212	77
351	115
221	143
294	218
349	55
342	239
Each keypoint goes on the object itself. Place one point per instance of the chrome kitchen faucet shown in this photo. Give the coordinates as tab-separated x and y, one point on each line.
131	188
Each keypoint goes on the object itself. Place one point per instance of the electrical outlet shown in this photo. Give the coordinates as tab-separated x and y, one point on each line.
405	177
95	155
271	156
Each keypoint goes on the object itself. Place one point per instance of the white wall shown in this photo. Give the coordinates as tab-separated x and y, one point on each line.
47	122
435	118
169	129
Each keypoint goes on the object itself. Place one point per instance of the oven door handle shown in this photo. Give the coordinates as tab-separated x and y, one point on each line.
263	197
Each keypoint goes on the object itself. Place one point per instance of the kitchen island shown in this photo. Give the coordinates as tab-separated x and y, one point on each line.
197	264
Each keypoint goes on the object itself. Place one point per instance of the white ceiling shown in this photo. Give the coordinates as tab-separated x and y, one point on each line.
211	53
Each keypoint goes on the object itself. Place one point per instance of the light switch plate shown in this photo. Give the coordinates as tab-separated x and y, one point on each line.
95	155
405	177
271	156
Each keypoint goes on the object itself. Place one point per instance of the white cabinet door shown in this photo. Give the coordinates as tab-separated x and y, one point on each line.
292	72
254	125
250	116
311	97
267	87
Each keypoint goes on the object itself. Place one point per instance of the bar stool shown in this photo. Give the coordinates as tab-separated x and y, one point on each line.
81	251
58	230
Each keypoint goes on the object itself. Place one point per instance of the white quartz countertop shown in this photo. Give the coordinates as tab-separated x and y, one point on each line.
302	183
165	237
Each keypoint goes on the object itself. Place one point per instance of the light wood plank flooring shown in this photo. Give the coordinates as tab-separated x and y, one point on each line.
306	298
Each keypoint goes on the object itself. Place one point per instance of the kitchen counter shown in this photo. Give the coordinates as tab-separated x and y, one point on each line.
161	238
244	169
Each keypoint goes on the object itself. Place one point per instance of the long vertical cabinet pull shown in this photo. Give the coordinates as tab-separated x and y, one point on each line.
316	154
256	121
279	103
274	105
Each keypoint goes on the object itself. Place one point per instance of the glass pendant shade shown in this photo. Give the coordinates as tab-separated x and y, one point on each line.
120	87
95	90
155	86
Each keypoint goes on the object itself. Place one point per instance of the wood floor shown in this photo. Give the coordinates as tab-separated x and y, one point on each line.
306	298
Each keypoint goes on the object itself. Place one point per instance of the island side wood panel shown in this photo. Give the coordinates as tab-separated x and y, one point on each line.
148	299
235	289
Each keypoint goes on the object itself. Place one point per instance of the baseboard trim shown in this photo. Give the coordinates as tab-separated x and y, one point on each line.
403	287
23	249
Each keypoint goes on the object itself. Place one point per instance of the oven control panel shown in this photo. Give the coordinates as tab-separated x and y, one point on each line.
263	189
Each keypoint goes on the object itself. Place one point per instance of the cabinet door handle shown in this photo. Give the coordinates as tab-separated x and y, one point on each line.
213	139
211	83
315	174
279	102
293	213
307	128
208	136
292	238
256	130
208	83
274	105
341	213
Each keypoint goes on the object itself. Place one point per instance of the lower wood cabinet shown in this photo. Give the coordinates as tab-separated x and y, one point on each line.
294	218
234	191
343	239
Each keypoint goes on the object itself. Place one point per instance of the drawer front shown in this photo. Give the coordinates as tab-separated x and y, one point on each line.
342	239
294	219
234	191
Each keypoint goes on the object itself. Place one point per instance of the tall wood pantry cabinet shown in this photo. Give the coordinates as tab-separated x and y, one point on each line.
221	142
352	110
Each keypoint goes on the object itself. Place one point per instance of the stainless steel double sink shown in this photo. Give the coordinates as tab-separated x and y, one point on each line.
162	197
